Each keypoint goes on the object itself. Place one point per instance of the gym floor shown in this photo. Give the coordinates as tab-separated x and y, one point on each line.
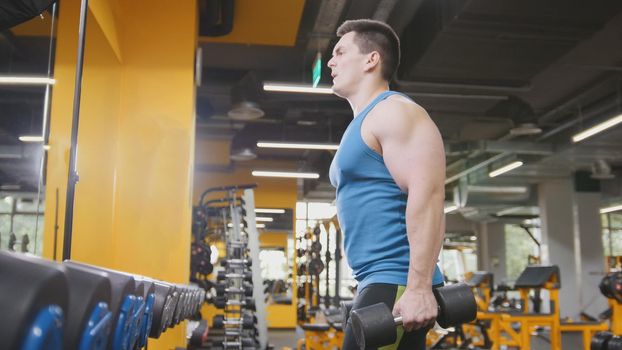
284	338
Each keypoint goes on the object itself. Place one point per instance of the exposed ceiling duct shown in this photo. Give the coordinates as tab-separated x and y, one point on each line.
601	170
14	12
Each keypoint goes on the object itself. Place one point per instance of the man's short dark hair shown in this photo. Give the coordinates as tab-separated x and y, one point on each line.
378	36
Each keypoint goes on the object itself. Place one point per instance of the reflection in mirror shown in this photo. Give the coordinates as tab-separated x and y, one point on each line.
26	81
276	275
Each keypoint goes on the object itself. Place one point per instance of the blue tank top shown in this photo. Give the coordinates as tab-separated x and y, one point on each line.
371	209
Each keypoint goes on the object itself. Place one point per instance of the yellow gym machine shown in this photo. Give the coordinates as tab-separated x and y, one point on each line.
514	329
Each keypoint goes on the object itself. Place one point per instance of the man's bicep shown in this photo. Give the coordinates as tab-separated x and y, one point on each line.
416	160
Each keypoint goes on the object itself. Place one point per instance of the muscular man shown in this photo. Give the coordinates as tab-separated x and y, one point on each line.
389	174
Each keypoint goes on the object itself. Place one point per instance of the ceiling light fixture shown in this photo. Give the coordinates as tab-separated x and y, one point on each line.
31	138
597	128
506	168
242	155
297	145
269	211
295	175
611	209
307	89
263	219
498	189
8	80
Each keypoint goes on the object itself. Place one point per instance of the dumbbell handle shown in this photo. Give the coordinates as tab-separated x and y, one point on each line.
237	261
233	322
398	319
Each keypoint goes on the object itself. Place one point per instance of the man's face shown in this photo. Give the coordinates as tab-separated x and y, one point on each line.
347	65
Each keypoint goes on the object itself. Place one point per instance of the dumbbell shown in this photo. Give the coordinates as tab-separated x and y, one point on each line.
137	314
237	244
199	334
615	343
163	308
170	321
610	286
345	307
195	302
147	319
228	344
247	289
33	296
221	302
600	341
89	318
236	262
316	266
123	303
219	321
200	299
316	247
374	326
247	276
185	311
179	306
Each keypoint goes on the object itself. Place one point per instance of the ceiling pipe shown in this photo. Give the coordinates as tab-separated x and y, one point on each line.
412	85
613	102
573	101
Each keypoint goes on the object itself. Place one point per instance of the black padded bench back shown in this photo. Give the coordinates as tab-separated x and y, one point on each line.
481	277
537	276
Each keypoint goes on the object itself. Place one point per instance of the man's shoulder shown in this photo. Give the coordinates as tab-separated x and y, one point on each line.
396	113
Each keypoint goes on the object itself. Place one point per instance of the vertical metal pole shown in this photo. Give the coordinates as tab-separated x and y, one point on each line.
72	178
45	132
337	267
327	270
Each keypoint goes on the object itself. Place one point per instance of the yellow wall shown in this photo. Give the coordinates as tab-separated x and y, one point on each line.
265	22
136	139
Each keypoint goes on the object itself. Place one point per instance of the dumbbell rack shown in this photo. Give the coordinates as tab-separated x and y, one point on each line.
53	306
238	231
310	266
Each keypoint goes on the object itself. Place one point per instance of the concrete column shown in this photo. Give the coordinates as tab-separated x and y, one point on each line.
555	198
491	247
590	254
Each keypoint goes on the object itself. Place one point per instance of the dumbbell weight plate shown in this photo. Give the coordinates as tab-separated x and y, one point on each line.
300	252
160	312
345	308
615	343
600	340
316	246
460	300
218	322
316	266
374	326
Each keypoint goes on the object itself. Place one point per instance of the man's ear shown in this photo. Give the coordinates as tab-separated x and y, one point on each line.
373	61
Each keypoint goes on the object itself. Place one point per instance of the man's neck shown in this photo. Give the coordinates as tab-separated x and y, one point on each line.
364	96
